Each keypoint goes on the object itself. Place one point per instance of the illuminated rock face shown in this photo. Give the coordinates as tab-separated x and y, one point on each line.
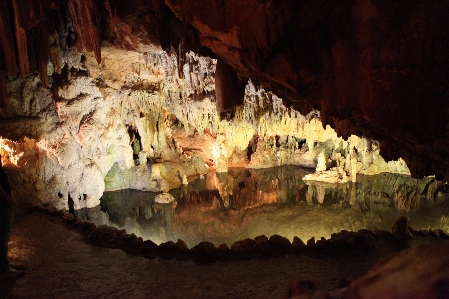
93	124
134	122
372	68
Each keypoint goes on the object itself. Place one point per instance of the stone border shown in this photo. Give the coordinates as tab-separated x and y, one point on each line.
261	247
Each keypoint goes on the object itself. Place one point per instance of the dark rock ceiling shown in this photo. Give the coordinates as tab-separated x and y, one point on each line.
375	68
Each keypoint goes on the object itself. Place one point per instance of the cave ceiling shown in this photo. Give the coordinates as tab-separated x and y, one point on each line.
372	67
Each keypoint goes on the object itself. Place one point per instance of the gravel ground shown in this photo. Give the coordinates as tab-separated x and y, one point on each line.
61	265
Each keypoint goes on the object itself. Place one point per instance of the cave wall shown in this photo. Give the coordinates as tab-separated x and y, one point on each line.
76	112
372	68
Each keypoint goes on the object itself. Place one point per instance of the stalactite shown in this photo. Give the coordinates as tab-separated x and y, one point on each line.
7	38
21	40
43	50
86	21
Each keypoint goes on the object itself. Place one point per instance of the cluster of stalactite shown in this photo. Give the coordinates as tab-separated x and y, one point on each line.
26	28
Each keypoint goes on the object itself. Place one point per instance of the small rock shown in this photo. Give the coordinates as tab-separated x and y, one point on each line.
205	253
262	247
298	244
167	250
243	248
280	244
311	241
84	227
103	236
224	252
164	198
148	249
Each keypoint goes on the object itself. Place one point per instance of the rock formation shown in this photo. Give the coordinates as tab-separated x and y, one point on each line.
402	275
370	68
131	112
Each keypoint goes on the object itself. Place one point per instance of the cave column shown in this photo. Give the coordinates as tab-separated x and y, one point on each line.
353	165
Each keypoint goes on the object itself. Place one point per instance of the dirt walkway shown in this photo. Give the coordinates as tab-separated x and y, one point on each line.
61	265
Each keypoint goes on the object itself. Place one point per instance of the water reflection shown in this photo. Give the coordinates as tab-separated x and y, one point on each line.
241	203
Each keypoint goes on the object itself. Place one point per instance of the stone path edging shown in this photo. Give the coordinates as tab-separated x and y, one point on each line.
344	243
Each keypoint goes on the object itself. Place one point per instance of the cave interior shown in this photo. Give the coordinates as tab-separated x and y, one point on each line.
100	96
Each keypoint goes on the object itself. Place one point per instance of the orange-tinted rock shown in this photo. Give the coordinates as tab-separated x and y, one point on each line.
86	21
372	68
420	272
7	40
21	41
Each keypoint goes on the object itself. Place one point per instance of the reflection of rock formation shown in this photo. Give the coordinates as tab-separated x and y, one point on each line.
138	213
225	207
94	215
400	191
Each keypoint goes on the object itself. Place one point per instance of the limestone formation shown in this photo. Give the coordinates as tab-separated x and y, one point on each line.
164	198
147	119
132	122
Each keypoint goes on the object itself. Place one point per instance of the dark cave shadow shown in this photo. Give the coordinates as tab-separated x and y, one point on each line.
6	288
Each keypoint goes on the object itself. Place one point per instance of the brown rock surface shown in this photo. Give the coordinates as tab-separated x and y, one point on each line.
420	272
372	68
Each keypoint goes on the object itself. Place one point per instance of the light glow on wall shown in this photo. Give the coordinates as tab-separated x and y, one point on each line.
8	152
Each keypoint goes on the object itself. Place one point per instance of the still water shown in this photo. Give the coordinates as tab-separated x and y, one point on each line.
242	203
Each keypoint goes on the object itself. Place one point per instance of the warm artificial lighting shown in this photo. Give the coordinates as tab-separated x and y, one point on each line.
8	152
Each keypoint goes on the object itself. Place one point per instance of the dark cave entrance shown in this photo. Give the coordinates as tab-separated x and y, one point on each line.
71	204
252	146
135	143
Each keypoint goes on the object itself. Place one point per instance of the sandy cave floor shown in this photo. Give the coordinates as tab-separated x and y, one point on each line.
61	265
